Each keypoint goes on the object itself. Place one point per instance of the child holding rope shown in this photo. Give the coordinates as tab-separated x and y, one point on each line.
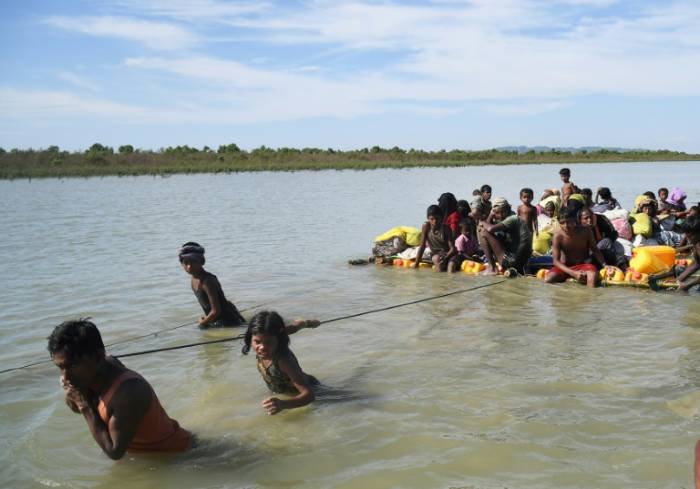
268	336
218	311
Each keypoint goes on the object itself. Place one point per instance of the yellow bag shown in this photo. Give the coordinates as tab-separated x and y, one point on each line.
542	242
409	234
641	224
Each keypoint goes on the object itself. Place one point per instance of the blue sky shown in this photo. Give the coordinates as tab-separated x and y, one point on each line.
430	75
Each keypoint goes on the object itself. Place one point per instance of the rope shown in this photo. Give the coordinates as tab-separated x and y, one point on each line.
364	313
127	340
241	336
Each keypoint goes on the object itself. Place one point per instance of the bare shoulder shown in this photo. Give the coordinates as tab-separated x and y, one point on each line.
133	393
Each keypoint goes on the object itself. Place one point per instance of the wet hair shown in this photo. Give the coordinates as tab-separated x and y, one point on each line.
485	188
565	171
434	210
448	204
268	323
463	208
662	190
191	249
527	191
75	338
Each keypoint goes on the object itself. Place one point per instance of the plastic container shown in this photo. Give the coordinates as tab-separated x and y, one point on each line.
473	267
652	259
612	274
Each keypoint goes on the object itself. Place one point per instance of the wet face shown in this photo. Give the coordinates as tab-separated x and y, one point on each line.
586	218
526	198
78	372
264	345
191	265
434	221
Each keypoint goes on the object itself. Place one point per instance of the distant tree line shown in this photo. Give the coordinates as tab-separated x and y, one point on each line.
99	159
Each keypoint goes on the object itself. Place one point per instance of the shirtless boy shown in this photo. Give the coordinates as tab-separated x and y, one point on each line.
528	212
568	188
572	245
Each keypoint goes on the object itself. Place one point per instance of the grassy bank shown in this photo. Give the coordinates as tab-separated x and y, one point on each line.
102	160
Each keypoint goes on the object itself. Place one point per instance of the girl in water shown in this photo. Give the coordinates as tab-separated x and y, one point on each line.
218	311
268	336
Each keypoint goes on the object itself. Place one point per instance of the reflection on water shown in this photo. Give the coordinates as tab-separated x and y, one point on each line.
515	385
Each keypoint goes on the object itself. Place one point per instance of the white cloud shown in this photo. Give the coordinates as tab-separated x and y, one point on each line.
79	81
194	10
156	35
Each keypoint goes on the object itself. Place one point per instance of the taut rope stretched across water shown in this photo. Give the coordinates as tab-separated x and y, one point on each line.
240	336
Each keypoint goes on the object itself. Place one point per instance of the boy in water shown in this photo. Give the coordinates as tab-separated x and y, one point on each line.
572	246
218	311
568	188
528	212
438	237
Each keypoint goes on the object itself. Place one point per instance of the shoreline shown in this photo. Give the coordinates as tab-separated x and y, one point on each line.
44	164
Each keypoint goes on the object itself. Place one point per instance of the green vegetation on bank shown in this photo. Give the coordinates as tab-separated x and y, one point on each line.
103	160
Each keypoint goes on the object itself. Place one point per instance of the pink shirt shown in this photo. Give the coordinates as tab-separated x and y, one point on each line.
465	245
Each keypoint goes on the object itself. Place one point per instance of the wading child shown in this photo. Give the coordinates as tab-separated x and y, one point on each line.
528	212
572	246
268	336
218	311
466	245
438	237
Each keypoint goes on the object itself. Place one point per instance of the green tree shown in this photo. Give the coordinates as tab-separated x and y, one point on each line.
126	149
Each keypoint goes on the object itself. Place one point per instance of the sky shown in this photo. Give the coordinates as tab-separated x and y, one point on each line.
442	74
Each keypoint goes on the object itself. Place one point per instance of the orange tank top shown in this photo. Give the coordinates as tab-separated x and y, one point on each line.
156	432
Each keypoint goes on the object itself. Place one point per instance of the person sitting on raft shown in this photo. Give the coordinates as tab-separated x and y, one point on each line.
268	336
691	229
572	247
605	236
481	205
466	245
508	241
218	311
604	201
448	205
120	408
438	237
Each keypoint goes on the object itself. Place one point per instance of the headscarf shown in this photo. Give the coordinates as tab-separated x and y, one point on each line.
579	197
554	200
676	196
191	250
641	200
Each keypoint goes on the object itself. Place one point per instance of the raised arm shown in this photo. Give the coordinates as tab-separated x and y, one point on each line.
300	324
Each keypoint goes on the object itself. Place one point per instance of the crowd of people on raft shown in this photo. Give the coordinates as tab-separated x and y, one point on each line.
568	229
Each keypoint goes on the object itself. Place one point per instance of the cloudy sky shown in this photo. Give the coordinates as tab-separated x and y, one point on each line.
433	74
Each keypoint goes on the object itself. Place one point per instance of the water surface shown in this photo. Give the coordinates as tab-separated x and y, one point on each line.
517	385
